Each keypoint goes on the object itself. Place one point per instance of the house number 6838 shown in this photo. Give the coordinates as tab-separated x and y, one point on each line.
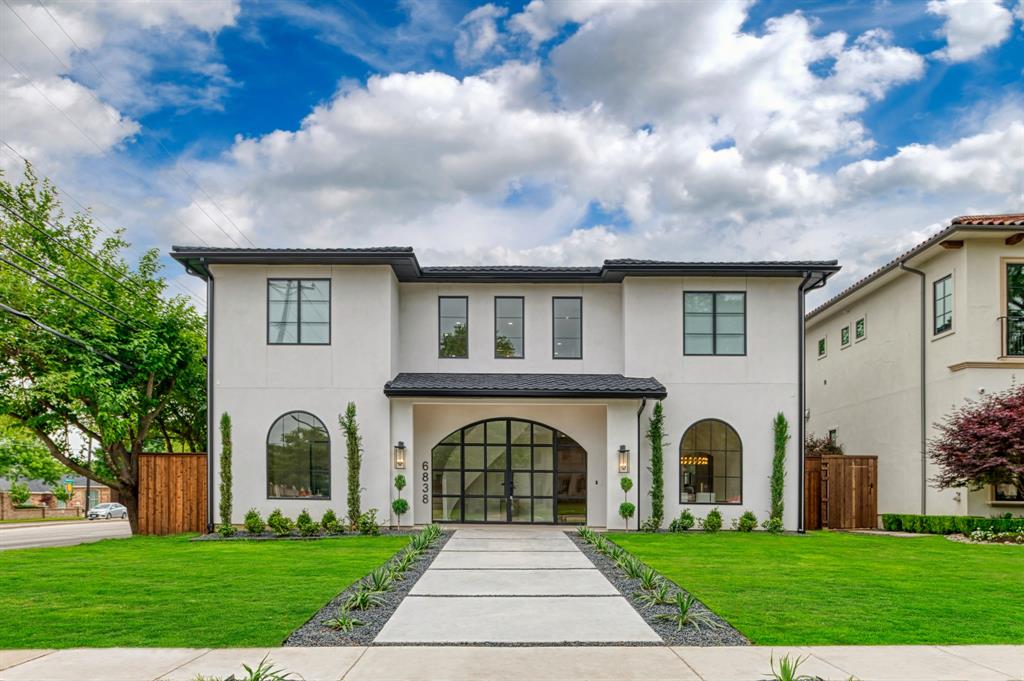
426	482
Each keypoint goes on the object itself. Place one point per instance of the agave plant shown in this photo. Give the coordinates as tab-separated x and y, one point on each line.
631	566
344	621
363	599
687	615
788	669
659	595
649	578
264	671
380	580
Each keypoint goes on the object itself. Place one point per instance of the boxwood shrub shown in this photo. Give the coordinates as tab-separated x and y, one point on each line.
948	524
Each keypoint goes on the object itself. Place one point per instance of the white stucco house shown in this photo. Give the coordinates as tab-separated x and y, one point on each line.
891	355
516	394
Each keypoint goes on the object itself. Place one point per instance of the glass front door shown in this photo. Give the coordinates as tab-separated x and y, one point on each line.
508	471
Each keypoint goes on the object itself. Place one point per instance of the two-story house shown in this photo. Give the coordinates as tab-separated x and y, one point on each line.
514	394
893	354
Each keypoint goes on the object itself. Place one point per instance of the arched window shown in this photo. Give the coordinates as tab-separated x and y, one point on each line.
710	464
298	458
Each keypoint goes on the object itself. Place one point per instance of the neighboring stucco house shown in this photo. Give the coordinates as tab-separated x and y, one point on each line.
950	309
512	389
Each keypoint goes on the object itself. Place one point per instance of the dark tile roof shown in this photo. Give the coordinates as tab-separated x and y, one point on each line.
722	263
974	223
522	385
38	486
223	249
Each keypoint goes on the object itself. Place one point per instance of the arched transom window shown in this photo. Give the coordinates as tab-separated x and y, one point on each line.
298	458
710	464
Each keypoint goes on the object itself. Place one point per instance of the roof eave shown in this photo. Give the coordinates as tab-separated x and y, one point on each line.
561	394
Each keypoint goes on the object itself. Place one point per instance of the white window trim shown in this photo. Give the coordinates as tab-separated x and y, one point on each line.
817	344
853	330
849	343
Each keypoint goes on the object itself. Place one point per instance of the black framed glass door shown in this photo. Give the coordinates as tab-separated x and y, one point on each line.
508	471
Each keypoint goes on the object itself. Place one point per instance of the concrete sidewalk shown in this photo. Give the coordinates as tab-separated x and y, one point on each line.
451	663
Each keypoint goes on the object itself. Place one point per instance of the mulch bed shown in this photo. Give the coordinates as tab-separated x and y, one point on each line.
688	636
314	633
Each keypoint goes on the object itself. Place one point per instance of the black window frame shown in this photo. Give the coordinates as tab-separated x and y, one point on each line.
710	452
522	319
714	324
266	454
440	332
1013	331
298	318
948	326
553	337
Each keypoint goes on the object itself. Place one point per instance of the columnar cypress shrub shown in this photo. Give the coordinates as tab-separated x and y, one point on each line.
656	436
353	459
778	480
225	476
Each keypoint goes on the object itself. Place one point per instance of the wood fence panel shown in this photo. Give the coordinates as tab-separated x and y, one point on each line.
812	493
172	493
849	491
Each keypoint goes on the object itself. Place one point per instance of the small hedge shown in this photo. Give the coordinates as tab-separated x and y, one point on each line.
948	524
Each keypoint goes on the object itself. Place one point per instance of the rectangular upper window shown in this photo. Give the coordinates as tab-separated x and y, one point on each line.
943	304
822	347
453	326
1014	341
714	323
844	336
567	328
508	327
860	329
298	311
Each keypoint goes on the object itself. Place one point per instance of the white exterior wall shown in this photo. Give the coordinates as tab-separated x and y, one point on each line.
380	327
870	391
745	392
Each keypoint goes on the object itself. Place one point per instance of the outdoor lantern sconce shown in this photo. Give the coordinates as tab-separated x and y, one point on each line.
400	455
623	459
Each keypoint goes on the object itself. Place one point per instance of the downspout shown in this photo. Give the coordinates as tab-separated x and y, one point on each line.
801	399
924	387
639	503
209	388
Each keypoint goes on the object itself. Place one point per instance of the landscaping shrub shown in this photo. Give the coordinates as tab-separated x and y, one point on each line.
366	523
684	522
773	525
20	493
280	524
747	522
253	522
306	525
331	524
226	500
353	460
656	436
949	524
780	429
626	510
713	523
399	506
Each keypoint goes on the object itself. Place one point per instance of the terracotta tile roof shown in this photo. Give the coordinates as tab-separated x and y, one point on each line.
996	222
1010	220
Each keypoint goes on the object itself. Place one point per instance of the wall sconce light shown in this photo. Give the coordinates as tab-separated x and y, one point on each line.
623	459
400	455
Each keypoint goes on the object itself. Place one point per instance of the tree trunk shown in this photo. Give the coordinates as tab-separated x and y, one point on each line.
129	497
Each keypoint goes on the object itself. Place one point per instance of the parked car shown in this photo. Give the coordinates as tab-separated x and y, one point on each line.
110	510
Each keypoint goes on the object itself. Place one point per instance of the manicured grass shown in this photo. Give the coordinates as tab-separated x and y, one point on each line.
838	588
167	591
50	519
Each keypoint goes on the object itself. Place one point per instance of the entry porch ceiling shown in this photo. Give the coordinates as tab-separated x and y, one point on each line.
523	385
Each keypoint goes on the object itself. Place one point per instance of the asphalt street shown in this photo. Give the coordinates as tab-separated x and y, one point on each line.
59	533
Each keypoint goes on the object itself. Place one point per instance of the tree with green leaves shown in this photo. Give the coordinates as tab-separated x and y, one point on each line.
23	456
353	460
656	436
89	341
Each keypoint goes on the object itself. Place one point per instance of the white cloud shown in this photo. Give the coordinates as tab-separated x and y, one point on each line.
478	33
971	27
542	19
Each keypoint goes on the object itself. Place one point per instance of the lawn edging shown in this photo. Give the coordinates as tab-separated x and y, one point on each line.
726	635
316	633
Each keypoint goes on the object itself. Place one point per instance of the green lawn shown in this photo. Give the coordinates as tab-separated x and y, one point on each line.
167	591
838	588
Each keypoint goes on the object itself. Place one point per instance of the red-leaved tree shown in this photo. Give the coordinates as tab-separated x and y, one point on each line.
982	442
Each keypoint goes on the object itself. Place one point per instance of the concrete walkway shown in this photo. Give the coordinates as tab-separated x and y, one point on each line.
482	663
512	585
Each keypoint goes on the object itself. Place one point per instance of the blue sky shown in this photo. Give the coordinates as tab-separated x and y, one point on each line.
561	132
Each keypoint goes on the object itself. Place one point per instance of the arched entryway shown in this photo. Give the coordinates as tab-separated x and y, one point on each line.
508	470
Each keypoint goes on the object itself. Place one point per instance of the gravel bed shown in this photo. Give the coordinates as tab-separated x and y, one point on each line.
242	535
314	633
689	636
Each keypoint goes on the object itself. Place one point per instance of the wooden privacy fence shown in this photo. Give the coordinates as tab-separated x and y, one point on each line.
172	493
840	492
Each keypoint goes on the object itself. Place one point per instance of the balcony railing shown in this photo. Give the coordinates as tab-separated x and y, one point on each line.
1012	335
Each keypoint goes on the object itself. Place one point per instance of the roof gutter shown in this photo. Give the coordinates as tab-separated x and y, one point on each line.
924	385
807	284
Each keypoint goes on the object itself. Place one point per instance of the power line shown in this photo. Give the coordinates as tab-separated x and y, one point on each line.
65	279
49	329
104	107
109	230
